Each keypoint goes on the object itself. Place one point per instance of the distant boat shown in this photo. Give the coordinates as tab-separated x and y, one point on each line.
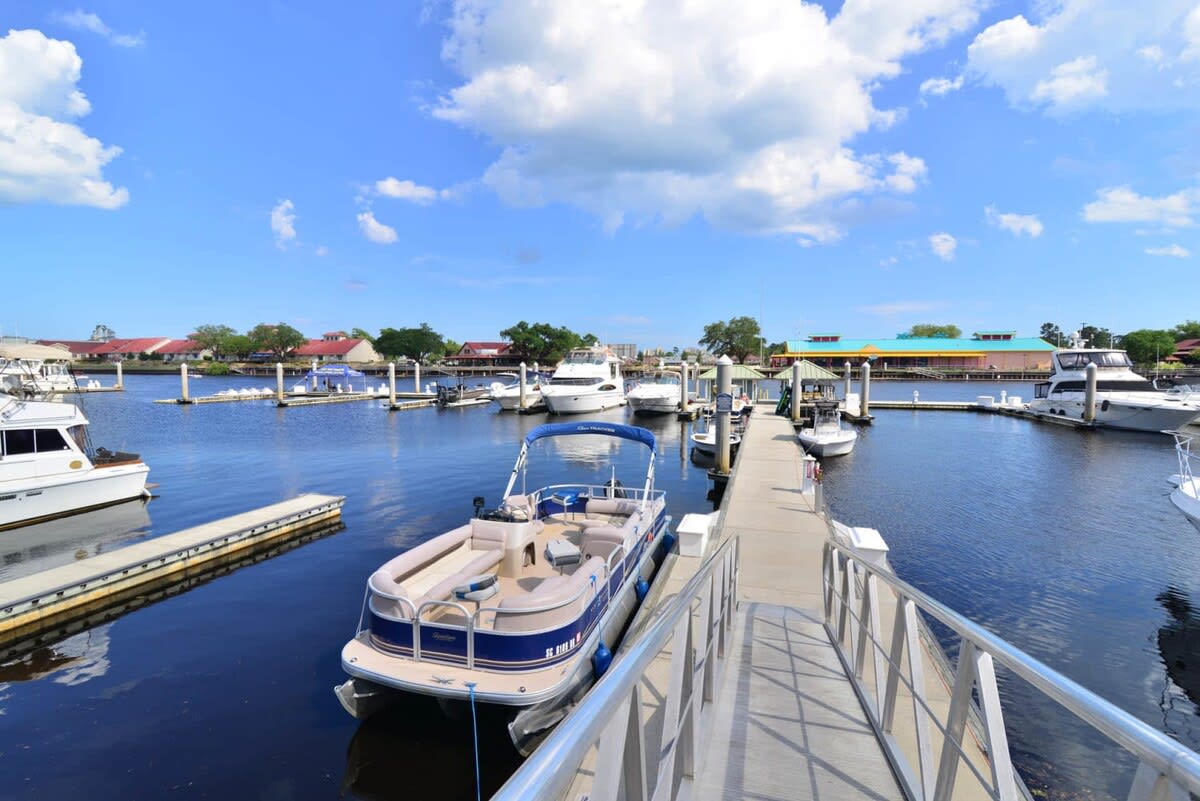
588	380
656	393
509	395
1186	495
827	436
705	441
48	469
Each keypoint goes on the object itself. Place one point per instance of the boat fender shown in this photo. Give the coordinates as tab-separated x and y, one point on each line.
668	542
1104	405
601	660
642	588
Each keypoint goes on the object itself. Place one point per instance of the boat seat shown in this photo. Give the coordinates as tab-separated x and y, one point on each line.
601	541
611	506
519	506
483	563
528	611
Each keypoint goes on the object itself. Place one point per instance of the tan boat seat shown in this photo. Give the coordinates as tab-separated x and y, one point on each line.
517	612
611	506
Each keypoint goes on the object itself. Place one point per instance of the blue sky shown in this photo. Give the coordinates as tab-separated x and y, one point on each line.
629	169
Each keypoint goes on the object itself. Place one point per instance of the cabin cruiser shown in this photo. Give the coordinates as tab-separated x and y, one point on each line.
509	395
587	380
1186	495
657	393
35	377
705	441
520	607
48	468
827	436
1123	398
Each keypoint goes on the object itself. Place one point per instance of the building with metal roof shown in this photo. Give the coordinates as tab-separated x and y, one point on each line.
1000	350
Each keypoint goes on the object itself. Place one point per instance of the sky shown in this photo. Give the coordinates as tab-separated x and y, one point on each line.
630	169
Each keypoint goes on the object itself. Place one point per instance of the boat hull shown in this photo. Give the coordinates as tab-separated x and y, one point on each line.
582	402
1121	413
1187	500
828	446
511	401
27	501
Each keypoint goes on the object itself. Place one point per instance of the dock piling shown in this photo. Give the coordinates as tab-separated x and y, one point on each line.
796	391
846	378
724	408
391	384
313	388
416	376
183	383
1089	394
120	376
864	403
521	391
279	382
683	393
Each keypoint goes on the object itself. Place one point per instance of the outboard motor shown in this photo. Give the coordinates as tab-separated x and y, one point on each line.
479	504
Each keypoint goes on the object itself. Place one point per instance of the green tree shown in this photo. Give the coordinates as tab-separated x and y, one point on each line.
451	347
214	338
935	330
279	339
1147	345
411	343
1051	333
1186	330
737	338
360	333
239	346
541	342
1096	337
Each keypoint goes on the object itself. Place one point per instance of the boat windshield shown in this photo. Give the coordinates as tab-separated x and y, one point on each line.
1112	359
584	357
577	382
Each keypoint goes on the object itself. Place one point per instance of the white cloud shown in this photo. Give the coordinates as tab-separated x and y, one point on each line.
406	190
42	157
1121	204
744	119
1094	54
321	251
1177	251
900	307
374	230
86	21
944	245
283	223
941	86
1016	224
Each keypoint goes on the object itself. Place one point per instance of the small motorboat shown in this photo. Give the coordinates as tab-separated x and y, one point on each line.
657	393
827	436
520	607
1186	495
705	441
509	395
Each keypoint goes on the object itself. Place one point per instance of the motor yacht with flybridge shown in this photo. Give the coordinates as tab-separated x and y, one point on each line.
1124	399
48	468
587	380
520	607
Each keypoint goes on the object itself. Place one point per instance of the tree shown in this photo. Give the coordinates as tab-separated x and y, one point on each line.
541	342
214	338
1096	337
935	330
1147	345
279	339
1186	330
411	343
359	333
737	338
451	347
239	346
1051	333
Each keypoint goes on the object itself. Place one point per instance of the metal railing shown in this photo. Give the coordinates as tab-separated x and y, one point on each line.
634	760
876	658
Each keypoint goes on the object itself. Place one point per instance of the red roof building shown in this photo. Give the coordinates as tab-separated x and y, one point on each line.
345	349
113	349
1185	350
485	354
183	350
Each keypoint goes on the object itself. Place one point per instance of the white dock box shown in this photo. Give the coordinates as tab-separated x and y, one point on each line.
693	533
870	544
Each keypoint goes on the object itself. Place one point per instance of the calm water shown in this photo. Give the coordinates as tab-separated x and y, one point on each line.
1061	541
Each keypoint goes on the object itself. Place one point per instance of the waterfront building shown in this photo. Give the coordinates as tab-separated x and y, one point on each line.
1185	351
485	354
113	350
984	350
183	350
626	352
335	346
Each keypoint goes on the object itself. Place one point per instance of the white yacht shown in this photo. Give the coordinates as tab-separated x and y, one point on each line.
1124	399
656	393
1186	495
827	436
35	377
47	467
509	395
588	380
705	441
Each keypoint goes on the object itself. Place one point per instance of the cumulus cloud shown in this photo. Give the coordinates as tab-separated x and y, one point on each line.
86	21
943	245
744	119
42	156
1016	224
1120	204
283	223
1094	54
1178	251
406	190
374	230
941	86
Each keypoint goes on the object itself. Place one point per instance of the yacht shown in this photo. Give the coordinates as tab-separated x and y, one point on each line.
827	436
48	468
657	393
1124	399
520	607
35	377
1186	495
509	395
588	380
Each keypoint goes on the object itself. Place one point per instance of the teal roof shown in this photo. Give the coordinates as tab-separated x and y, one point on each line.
808	372
918	345
740	372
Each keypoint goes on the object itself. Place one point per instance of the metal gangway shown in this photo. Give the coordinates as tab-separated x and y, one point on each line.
869	707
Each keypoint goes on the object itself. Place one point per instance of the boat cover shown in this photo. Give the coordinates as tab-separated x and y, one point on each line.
635	433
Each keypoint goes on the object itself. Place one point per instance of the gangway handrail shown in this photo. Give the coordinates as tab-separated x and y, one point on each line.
1166	769
610	716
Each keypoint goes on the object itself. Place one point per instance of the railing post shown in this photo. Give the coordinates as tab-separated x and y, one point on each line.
993	727
956	722
1148	783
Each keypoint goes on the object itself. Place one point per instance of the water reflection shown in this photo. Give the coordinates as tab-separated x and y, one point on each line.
29	549
75	660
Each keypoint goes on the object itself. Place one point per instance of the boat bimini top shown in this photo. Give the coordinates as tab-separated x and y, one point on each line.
634	433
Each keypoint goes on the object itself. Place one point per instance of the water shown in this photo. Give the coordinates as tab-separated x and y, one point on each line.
1062	541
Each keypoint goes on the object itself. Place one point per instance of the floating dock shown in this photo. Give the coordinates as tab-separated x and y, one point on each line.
56	597
1009	410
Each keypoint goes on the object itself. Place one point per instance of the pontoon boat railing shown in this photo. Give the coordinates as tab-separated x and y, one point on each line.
695	629
876	656
1183	451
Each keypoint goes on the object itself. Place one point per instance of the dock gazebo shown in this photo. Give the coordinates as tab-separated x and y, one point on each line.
745	381
816	383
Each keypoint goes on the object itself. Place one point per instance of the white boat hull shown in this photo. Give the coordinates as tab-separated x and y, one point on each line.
26	500
576	402
1187	500
510	400
1137	415
650	405
823	445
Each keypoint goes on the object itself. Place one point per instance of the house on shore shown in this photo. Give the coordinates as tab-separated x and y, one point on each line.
336	346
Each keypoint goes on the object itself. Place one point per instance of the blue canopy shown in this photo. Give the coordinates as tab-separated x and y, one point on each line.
635	433
334	371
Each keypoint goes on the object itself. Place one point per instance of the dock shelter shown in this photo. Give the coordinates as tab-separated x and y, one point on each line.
745	381
333	378
816	383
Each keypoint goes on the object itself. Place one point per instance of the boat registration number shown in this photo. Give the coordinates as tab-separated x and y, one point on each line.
562	648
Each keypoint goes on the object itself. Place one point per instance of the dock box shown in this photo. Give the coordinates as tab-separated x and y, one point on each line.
693	533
